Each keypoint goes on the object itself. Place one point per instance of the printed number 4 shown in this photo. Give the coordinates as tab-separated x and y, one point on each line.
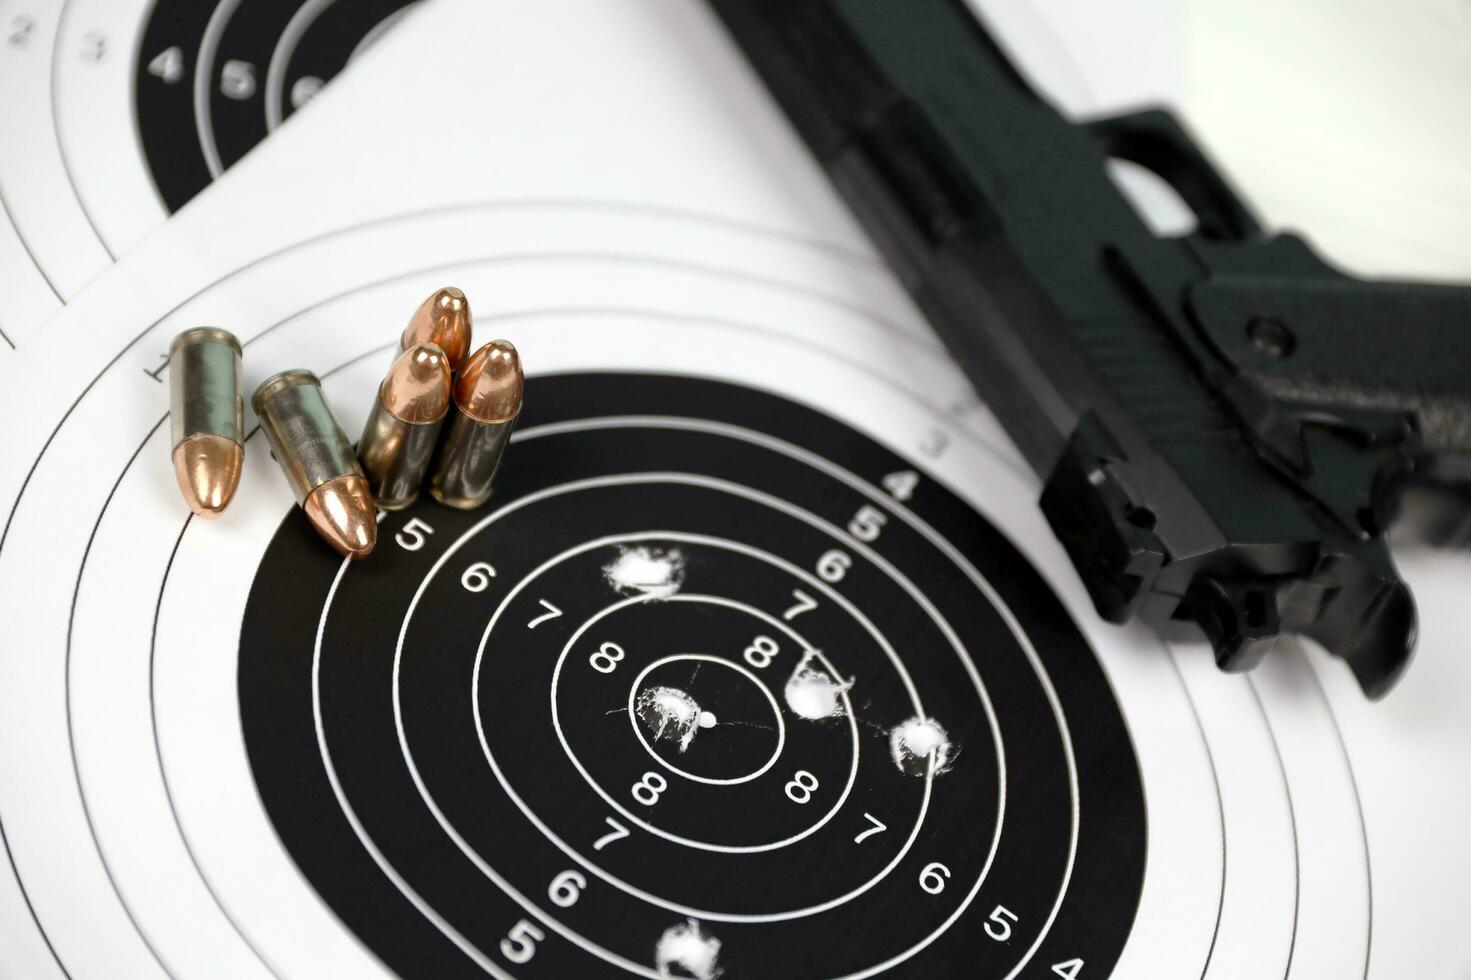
1069	970
168	65
901	485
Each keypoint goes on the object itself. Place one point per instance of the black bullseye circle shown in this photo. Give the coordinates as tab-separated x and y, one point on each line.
671	703
714	684
211	80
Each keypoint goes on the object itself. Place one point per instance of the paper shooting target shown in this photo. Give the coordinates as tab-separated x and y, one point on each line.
760	662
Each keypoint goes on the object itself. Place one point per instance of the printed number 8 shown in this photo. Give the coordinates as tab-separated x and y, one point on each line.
761	651
605	661
648	790
801	787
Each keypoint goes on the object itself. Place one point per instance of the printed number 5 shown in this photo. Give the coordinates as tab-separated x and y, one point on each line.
998	924
867	523
414	535
519	946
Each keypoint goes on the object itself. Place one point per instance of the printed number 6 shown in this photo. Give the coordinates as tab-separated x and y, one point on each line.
833	565
932	879
477	577
566	888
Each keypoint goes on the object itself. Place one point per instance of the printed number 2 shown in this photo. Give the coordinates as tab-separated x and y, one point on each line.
1069	970
20	31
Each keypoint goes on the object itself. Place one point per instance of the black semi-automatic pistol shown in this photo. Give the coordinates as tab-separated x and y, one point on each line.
1225	423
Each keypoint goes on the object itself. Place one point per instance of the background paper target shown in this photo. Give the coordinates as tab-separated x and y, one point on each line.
118	113
121	112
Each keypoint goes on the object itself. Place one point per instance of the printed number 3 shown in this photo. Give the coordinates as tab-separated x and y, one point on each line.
94	46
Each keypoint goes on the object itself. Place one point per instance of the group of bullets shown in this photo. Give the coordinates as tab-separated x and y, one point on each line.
433	378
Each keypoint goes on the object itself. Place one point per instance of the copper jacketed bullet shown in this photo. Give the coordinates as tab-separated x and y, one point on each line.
318	461
487	401
206	417
444	321
403	427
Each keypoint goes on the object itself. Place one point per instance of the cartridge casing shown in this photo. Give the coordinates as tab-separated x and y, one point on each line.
469	457
403	427
206	417
318	461
308	443
488	397
204	385
395	455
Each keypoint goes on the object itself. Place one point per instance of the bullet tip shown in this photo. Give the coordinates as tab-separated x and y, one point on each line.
443	320
208	470
417	388
343	513
491	383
